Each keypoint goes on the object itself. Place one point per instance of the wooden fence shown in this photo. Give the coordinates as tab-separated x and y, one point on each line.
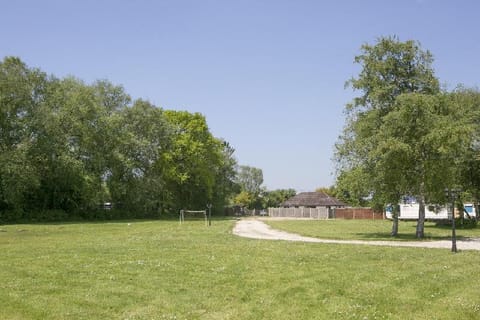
357	213
240	211
312	213
325	213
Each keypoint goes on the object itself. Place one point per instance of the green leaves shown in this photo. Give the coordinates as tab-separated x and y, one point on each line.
390	68
403	136
69	146
389	125
249	180
274	198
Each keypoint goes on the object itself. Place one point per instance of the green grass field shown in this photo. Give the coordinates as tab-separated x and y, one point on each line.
369	229
161	270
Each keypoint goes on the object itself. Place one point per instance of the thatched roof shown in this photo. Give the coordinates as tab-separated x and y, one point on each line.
313	199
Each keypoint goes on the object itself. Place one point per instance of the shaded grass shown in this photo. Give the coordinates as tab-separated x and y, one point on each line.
368	229
161	270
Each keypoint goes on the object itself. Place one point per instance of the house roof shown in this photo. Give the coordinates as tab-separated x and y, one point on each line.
312	199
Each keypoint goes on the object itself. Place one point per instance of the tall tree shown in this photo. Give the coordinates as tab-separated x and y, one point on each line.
197	158
250	179
225	174
389	68
139	175
22	90
468	100
421	143
74	144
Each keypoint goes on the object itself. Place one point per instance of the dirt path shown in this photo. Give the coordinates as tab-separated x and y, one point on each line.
256	229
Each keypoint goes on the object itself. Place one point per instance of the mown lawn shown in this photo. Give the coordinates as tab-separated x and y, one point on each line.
369	229
161	270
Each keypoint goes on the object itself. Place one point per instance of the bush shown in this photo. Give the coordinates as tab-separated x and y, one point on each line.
11	216
45	216
467	223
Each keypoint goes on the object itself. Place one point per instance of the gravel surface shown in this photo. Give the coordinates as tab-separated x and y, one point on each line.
256	229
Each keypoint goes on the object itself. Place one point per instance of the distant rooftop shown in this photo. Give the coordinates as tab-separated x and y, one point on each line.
313	199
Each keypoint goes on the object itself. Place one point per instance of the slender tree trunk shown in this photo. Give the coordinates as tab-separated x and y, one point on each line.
420	232
395	213
476	206
462	214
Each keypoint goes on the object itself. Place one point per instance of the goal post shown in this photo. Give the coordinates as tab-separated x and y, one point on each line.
186	212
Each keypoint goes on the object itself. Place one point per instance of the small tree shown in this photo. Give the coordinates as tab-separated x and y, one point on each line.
250	180
275	198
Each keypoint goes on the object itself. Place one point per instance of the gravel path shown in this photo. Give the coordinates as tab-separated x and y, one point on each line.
256	229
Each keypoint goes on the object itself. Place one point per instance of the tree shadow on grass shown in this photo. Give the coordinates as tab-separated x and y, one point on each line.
111	221
385	236
431	234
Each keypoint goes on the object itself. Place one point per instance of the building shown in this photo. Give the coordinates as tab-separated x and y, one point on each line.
313	200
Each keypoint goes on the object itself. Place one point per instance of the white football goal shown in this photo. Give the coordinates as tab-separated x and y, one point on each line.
205	213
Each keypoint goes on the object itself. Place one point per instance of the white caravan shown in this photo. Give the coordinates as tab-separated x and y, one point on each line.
409	211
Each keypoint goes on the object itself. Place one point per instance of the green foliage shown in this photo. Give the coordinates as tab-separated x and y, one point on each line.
331	191
468	100
225	176
402	137
245	198
274	198
466	223
353	187
390	68
139	174
250	179
21	90
265	199
423	136
202	169
68	147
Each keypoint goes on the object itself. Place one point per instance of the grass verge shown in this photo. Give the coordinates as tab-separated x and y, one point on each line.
161	270
368	229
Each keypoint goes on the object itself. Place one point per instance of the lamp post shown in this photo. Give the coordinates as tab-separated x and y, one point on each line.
452	195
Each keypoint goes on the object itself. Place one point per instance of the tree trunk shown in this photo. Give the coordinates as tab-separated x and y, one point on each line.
420	232
395	213
462	213
476	206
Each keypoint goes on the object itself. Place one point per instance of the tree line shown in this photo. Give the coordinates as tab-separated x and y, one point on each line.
67	147
405	135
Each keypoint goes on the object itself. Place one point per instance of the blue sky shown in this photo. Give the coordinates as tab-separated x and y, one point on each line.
268	75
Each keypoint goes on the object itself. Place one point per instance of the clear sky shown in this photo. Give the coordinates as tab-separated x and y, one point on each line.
268	74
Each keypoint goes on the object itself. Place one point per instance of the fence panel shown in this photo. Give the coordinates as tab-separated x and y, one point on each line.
312	213
325	213
357	213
